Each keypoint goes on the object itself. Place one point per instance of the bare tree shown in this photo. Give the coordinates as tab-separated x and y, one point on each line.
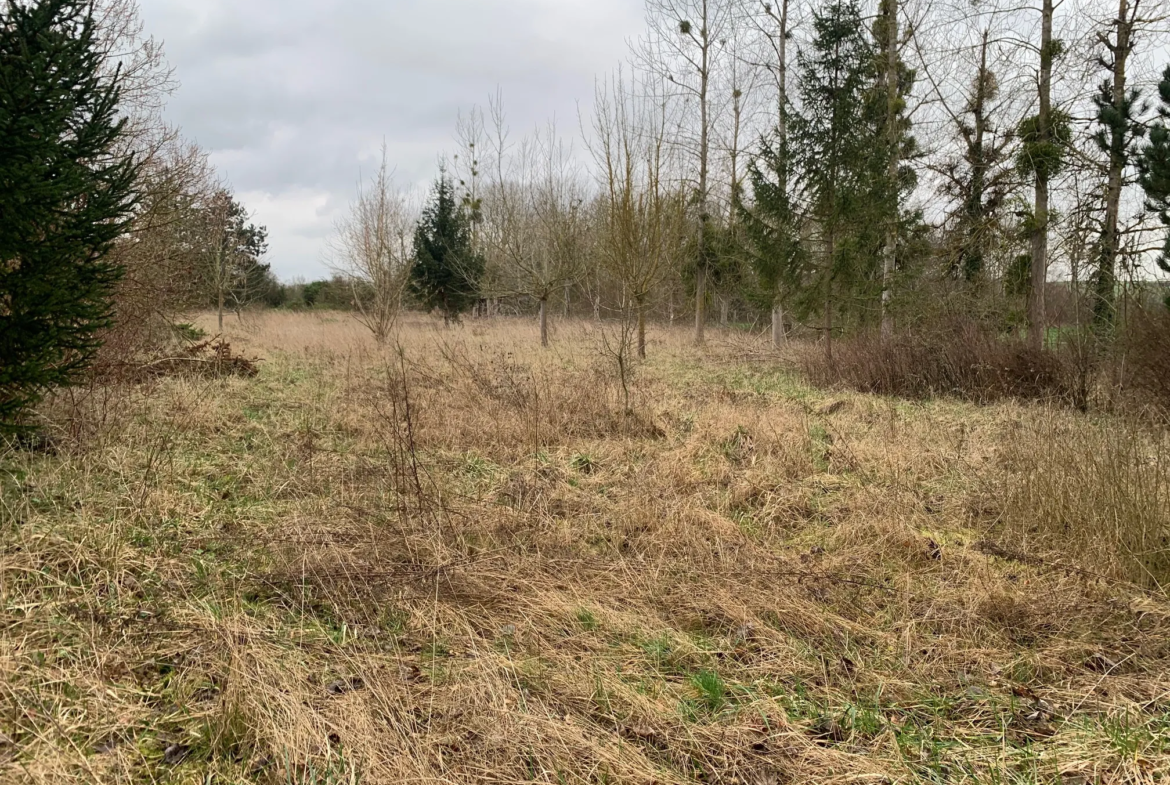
973	163
642	218
685	47
533	216
471	136
218	267
160	256
373	251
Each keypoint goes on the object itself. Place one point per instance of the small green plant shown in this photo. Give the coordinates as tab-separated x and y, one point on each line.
435	650
587	620
713	695
738	446
864	721
477	467
1131	737
819	441
336	770
394	620
583	463
659	650
746	522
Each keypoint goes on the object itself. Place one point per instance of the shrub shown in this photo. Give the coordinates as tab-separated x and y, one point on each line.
958	359
1146	361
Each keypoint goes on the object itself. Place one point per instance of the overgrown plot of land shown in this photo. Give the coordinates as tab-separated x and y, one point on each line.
465	562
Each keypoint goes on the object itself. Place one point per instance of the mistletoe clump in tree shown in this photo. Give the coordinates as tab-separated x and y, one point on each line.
66	196
446	272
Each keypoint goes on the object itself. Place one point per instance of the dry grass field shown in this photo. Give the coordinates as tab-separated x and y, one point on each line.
465	562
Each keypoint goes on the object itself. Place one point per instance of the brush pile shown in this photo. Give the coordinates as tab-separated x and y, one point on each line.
210	358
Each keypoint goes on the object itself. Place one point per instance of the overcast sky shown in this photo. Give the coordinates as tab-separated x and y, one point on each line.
293	98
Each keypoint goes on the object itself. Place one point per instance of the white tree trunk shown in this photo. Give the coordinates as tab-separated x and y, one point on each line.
890	262
779	334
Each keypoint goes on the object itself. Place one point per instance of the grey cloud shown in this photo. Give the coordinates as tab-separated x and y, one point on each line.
291	97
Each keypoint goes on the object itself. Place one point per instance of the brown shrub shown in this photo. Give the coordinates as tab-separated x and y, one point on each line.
963	360
1146	361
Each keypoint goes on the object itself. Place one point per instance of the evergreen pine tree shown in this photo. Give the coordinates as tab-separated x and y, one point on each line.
837	148
65	198
1154	166
896	147
770	223
1118	130
232	249
446	271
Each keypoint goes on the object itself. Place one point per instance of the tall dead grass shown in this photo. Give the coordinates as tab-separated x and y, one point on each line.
966	360
1145	370
460	561
1097	493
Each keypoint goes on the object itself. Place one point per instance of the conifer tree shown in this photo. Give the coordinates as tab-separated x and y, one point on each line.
892	83
1118	130
1154	165
66	196
837	148
231	247
771	223
446	272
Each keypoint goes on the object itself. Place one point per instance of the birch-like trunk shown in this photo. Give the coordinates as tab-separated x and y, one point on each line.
1036	314
779	335
890	262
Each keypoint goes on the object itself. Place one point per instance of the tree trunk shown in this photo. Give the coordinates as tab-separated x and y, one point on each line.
971	255
1036	316
779	334
723	311
1106	283
639	303
704	150
779	338
890	262
544	321
829	302
568	291
700	299
219	310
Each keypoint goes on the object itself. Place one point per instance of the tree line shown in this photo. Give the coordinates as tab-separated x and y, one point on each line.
839	167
